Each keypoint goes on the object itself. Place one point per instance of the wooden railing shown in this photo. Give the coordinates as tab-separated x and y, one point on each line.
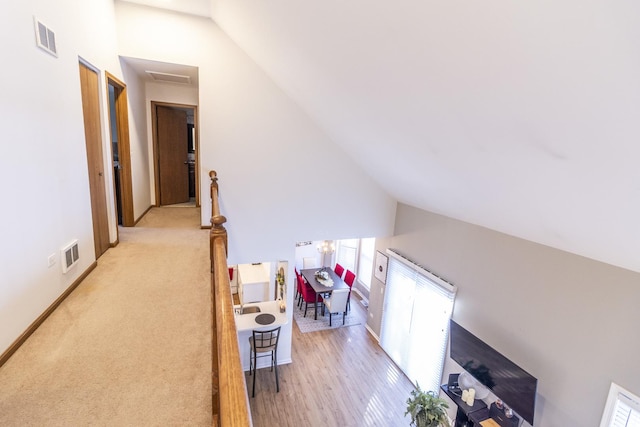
230	398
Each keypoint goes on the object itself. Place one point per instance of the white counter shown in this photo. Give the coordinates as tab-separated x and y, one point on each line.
246	323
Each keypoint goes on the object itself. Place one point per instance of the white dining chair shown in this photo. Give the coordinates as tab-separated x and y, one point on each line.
337	303
308	262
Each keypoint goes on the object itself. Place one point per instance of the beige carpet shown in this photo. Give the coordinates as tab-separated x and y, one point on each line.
131	345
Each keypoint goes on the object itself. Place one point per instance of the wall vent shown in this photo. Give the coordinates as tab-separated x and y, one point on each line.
69	255
45	38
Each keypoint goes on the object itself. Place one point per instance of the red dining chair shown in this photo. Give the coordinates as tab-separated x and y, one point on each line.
299	284
295	269
309	297
349	278
339	270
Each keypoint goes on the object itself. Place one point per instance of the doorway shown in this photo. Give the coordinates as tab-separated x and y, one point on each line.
89	88
175	153
121	160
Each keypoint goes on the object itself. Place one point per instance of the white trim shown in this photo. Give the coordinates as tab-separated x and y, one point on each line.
420	269
372	333
618	393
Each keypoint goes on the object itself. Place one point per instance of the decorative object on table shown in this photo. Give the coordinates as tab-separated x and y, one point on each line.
466	380
427	409
380	271
471	396
323	277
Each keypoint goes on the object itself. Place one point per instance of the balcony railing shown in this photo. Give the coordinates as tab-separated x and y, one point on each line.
229	390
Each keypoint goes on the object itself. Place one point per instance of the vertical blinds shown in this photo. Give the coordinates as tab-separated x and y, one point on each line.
624	414
415	321
622	408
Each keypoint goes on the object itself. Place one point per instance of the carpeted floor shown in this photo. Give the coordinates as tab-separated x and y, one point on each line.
131	345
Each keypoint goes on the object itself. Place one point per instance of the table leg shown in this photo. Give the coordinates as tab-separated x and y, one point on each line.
316	308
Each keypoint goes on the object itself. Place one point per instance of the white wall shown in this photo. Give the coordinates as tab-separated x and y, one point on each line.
43	166
568	320
273	160
282	179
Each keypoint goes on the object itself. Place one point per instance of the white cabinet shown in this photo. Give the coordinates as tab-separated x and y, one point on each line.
253	282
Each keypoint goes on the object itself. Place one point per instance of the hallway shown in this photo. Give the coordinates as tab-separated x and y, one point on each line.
131	345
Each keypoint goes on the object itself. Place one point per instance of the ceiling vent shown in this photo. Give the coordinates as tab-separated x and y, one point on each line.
168	78
45	38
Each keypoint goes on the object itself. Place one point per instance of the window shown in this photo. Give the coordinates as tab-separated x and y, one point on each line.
357	255
347	253
622	408
415	321
365	261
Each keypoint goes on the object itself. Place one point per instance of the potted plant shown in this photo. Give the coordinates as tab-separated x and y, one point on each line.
427	409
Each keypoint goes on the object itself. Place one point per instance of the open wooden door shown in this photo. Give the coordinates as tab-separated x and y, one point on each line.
172	147
119	117
93	138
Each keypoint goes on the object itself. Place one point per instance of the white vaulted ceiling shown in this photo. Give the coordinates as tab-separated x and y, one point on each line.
523	117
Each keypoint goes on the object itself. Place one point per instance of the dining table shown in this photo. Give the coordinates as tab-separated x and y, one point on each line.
310	276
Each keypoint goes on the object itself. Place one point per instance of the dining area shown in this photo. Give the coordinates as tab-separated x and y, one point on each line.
326	290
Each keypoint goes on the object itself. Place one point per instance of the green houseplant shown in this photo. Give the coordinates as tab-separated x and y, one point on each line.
427	409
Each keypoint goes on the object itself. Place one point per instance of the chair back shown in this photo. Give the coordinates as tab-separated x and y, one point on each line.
308	294
300	281
308	262
265	340
339	300
349	278
339	270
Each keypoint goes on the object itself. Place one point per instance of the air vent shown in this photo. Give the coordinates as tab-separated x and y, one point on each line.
45	38
70	256
168	78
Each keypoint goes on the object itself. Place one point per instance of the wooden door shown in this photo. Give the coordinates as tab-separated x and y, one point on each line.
93	139
173	167
123	185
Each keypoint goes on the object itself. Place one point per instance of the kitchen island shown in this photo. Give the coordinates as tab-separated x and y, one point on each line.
246	323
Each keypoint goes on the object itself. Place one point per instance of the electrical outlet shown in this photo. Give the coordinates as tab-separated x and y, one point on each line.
51	260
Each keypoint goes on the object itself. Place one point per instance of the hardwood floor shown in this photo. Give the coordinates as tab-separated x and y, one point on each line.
339	377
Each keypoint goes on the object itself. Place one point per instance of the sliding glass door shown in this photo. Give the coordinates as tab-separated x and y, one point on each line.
415	321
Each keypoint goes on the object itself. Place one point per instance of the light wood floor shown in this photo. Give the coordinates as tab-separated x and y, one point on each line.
339	377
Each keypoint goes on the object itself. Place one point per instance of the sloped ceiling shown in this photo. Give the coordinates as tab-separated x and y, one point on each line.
522	117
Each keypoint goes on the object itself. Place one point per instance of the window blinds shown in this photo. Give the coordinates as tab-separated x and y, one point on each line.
622	408
415	321
347	253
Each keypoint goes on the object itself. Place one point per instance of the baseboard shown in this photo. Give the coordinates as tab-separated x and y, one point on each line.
372	333
142	216
36	323
363	299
